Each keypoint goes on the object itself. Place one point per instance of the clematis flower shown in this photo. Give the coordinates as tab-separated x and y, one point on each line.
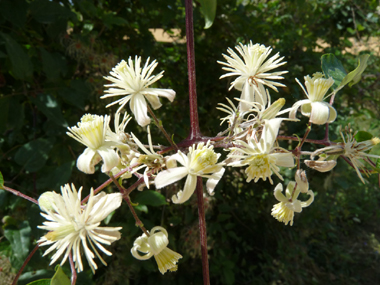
91	132
253	71
262	157
129	79
156	245
320	112
200	161
353	150
284	211
73	226
151	159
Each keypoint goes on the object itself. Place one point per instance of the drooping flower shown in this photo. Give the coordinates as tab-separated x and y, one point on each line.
91	132
353	150
320	112
200	161
156	245
253	71
262	157
72	226
132	82
284	211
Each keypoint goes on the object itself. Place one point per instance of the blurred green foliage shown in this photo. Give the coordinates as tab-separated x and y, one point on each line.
53	55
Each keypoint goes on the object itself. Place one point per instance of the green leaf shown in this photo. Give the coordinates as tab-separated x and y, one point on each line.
354	76
54	176
150	198
1	180
363	136
60	277
14	11
53	64
49	106
208	8
41	282
19	238
33	155
22	67
35	275
332	67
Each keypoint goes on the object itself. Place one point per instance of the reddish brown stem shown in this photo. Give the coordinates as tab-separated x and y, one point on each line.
73	271
126	198
101	187
203	233
194	121
24	264
18	193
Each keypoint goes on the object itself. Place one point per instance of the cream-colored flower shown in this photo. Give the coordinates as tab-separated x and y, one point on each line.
156	245
132	82
152	160
320	112
200	161
252	69
91	132
72	226
262	157
284	211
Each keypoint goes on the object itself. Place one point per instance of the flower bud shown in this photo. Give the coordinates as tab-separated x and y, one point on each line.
301	180
46	200
320	165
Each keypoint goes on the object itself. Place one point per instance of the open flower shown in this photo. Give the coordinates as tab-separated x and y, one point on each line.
253	71
320	112
284	211
130	80
262	157
91	132
200	161
72	226
156	245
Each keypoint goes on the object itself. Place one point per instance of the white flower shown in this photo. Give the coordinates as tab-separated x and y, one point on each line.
252	70
122	140
262	157
91	132
151	159
72	226
130	80
234	117
320	112
284	211
156	245
200	161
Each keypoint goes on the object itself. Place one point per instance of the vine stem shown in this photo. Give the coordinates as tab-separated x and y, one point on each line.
195	133
109	181
18	193
202	230
126	198
26	261
73	271
161	128
194	121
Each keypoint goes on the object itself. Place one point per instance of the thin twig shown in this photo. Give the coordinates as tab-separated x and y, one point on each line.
18	193
162	128
73	271
26	261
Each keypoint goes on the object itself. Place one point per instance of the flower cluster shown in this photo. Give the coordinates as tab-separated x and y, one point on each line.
252	142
